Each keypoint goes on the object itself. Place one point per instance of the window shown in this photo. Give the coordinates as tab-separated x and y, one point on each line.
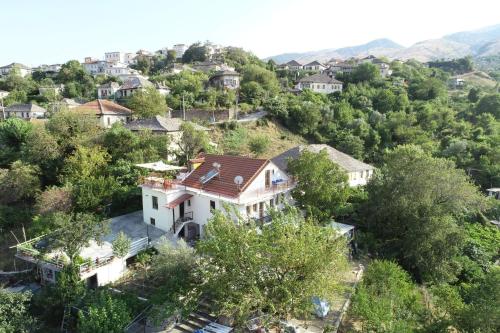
212	205
271	203
249	210
155	202
254	207
152	221
189	203
109	121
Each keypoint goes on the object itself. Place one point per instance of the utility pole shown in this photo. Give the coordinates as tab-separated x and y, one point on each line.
183	109
237	109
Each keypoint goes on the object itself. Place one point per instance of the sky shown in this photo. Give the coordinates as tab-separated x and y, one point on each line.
37	32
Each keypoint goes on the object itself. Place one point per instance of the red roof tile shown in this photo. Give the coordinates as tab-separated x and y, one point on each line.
103	106
174	203
230	167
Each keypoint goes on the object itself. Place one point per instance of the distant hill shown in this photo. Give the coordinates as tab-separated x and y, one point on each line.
376	47
477	43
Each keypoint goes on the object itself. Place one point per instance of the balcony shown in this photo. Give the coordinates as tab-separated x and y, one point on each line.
181	222
159	183
273	188
32	251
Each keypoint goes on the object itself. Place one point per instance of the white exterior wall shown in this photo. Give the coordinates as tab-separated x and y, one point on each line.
324	88
163	215
179	50
359	178
106	121
114	57
109	272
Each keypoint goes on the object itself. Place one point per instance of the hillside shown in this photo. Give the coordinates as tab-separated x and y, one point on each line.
477	43
433	49
478	78
377	47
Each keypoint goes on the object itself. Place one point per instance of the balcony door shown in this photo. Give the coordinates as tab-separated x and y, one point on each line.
181	210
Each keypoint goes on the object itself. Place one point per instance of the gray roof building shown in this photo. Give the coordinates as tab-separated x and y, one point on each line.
343	160
314	63
160	124
319	78
293	63
30	107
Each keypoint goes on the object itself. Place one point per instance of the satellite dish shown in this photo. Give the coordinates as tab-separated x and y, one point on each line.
238	180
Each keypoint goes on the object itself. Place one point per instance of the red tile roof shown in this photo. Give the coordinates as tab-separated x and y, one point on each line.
174	203
230	167
103	106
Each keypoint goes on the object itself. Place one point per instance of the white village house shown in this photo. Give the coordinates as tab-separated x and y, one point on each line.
321	83
225	80
359	173
106	111
172	209
107	90
183	206
23	69
314	66
25	111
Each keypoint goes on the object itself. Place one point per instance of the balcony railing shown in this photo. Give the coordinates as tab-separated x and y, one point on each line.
179	223
26	251
274	187
159	182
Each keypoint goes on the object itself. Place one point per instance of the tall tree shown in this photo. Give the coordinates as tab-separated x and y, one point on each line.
322	187
14	313
147	103
276	269
422	199
74	231
387	301
193	141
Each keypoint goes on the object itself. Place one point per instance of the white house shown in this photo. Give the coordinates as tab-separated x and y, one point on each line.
114	57
106	111
225	80
25	111
340	67
179	50
93	66
132	84
173	209
292	65
314	66
321	83
183	206
23	69
107	90
119	69
359	173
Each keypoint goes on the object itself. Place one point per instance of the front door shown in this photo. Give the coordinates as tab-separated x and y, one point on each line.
181	210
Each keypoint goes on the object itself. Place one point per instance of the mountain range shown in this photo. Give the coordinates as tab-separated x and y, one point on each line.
477	43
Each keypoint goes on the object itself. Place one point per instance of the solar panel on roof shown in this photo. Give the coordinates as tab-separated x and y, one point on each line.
209	176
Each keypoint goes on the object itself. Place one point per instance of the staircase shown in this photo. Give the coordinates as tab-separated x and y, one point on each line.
181	221
196	320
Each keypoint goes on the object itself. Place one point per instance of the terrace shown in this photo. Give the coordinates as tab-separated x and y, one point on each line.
96	255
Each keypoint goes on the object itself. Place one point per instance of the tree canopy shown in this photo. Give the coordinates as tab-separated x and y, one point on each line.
276	268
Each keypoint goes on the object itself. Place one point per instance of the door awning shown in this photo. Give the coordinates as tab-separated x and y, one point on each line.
176	202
